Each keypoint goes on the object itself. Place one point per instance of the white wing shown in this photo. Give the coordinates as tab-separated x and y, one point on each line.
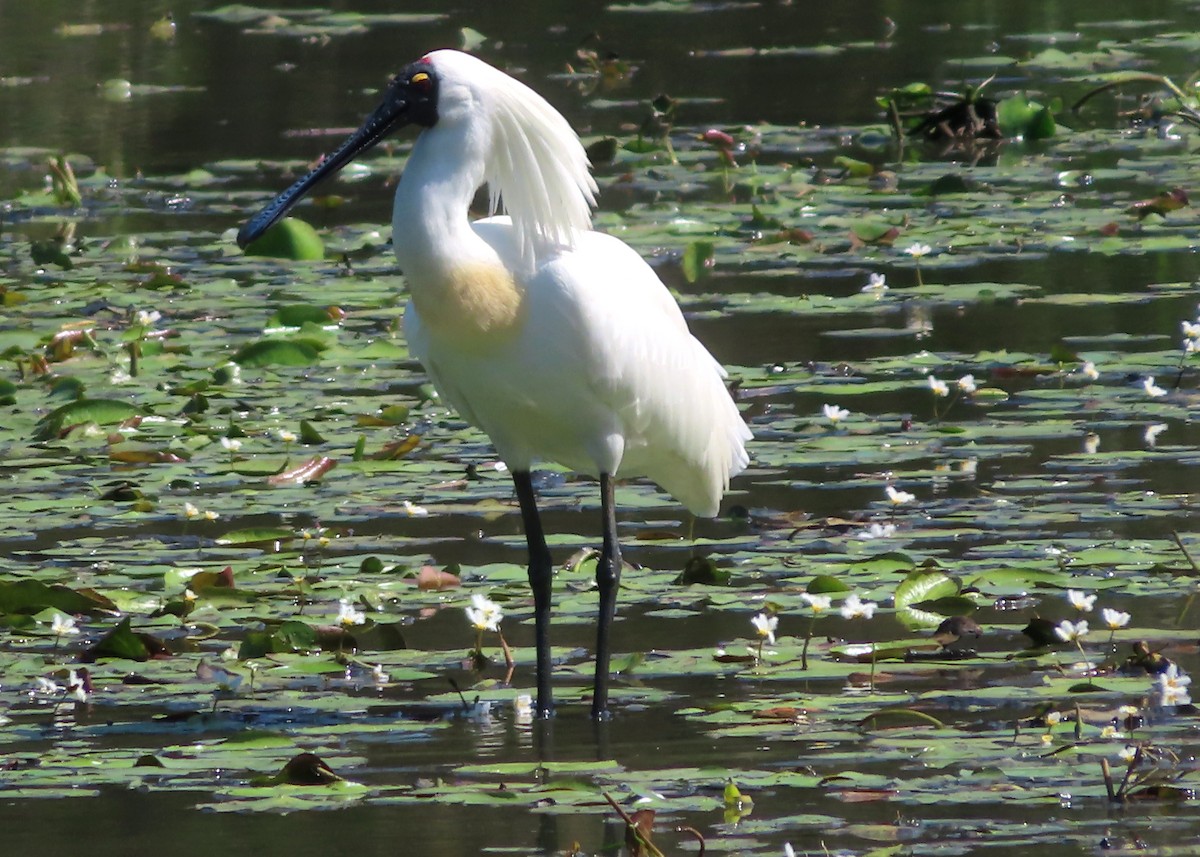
603	375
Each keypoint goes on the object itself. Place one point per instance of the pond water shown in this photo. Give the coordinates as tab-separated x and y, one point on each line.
1043	262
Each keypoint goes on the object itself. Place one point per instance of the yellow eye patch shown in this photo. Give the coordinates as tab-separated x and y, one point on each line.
420	77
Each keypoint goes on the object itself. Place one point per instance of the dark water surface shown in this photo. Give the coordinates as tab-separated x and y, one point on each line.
263	96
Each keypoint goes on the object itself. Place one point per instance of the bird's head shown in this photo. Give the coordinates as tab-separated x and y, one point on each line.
410	99
528	153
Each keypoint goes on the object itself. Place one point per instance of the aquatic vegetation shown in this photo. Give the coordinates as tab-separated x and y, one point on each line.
232	461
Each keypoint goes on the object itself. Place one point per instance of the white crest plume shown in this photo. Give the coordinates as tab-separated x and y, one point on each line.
537	170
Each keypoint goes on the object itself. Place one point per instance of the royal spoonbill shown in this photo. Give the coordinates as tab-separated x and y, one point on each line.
559	342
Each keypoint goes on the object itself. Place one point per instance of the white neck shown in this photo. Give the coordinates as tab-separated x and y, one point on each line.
430	228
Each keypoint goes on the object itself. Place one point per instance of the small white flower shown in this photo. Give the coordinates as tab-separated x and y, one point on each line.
210	515
897	497
46	686
1089	371
876	530
484	614
765	626
918	250
1110	732
1115	619
1191	329
287	436
1127	754
190	511
1172	685
818	603
414	511
1127	710
1151	433
146	319
853	607
347	615
1152	389
967	384
877	284
379	675
1070	632
940	388
76	687
1080	600
1053	718
231	443
63	625
835	414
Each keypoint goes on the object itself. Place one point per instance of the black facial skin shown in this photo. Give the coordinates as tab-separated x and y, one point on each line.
410	99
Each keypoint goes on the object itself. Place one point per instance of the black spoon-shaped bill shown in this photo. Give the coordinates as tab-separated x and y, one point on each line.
386	119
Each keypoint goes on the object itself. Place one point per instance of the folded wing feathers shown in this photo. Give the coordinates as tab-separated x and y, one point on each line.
538	171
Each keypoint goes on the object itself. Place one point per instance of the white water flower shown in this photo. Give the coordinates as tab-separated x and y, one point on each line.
1081	601
1191	329
484	614
348	615
1127	753
190	511
46	686
77	687
967	384
63	625
918	250
876	530
231	443
1172	685
379	675
287	436
940	388
853	607
835	414
1151	433
1152	389
1114	619
1070	632
765	626
818	603
147	319
897	497
877	284
1089	371
413	510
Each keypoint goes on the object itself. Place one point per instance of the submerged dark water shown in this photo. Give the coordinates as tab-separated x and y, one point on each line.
266	96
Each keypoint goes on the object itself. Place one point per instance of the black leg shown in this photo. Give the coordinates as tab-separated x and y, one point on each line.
608	579
540	573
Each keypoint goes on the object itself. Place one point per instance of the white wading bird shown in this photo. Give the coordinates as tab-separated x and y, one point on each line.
561	343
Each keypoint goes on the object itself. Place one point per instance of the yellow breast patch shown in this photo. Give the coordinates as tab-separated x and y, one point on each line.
470	301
